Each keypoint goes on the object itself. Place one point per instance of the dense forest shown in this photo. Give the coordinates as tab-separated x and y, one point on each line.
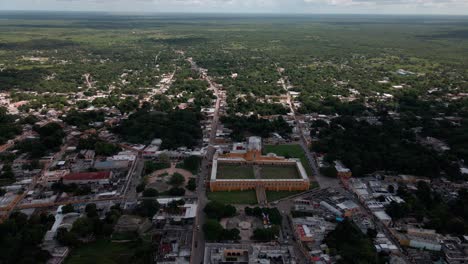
20	238
178	128
8	127
391	146
352	245
432	210
247	126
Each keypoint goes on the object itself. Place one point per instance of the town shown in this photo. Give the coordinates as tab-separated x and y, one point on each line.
178	161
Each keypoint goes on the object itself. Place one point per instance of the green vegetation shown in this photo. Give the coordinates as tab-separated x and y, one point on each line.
360	146
191	185
191	164
8	128
176	191
20	238
352	245
266	234
177	179
215	232
150	192
218	210
82	120
279	172
290	151
71	189
106	149
212	228
227	171
50	138
147	208
233	197
253	126
89	226
428	207
179	128
273	214
6	174
105	251
151	166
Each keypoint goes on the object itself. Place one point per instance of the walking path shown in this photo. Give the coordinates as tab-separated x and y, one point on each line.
170	171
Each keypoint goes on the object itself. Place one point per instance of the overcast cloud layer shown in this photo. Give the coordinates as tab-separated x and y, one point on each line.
459	7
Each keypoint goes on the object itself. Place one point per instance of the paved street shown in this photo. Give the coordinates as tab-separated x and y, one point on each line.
324	182
199	238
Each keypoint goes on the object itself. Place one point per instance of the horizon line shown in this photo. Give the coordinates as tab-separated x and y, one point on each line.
228	13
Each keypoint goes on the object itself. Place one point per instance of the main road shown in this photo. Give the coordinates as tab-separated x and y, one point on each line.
324	182
198	249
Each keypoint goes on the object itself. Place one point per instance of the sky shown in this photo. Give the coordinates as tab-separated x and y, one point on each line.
447	7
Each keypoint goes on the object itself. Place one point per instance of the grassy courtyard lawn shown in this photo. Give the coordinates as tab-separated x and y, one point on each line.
279	172
226	172
103	252
234	197
274	196
292	151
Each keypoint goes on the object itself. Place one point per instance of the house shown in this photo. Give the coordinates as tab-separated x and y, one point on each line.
111	165
102	177
342	170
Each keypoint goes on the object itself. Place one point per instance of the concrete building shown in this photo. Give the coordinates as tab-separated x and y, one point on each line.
342	170
102	177
455	252
111	165
253	157
248	254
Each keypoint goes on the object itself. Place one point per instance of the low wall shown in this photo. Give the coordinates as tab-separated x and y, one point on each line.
269	185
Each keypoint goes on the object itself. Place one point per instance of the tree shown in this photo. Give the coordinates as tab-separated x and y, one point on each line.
106	149
176	191
217	210
140	187
177	179
330	171
397	210
351	244
68	209
150	192
212	230
128	105
273	214
266	234
151	166
91	210
147	208
173	207
83	227
230	234
192	184
66	238
191	163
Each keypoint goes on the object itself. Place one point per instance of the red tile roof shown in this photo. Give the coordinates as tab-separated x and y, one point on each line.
88	176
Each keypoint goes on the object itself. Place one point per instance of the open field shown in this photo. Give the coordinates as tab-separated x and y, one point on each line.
292	151
234	197
235	172
279	172
103	251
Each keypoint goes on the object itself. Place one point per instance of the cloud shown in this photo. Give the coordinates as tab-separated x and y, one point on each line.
252	6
